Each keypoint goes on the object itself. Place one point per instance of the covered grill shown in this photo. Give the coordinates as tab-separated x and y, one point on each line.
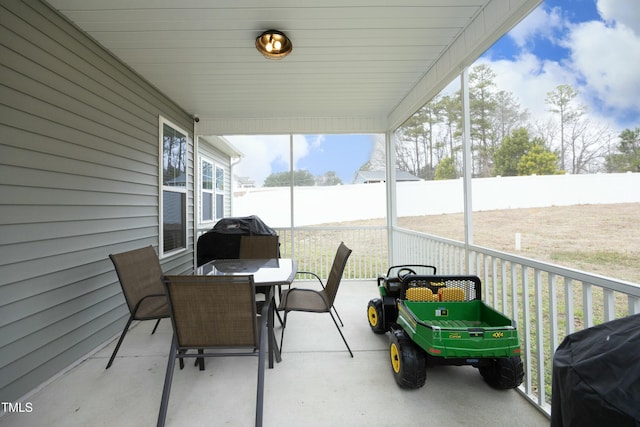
223	240
596	376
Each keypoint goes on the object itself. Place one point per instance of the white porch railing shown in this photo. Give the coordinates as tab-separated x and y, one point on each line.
547	301
314	248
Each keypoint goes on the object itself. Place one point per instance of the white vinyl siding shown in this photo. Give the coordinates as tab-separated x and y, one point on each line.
79	167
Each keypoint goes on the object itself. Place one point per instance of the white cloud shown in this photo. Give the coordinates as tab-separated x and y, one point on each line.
317	141
301	148
603	62
608	59
260	152
529	79
539	23
625	12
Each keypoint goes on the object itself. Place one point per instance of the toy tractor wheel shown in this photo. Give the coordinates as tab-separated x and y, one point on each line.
408	361
376	316
503	373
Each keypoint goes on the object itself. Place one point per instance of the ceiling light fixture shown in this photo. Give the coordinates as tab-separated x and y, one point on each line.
274	44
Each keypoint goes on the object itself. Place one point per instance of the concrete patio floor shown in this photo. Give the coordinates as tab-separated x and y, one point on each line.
317	384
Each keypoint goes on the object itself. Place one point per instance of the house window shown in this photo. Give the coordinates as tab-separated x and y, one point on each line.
173	195
206	191
211	191
219	192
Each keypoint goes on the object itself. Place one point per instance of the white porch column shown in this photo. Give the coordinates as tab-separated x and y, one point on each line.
291	193
466	166
392	208
196	184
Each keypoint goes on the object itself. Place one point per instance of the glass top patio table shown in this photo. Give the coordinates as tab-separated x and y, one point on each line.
266	272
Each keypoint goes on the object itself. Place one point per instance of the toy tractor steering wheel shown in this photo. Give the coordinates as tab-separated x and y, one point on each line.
404	272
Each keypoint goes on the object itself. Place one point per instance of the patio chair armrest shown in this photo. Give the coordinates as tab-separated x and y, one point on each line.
135	309
312	274
154	295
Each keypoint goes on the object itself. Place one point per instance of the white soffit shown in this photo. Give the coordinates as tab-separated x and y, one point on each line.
357	65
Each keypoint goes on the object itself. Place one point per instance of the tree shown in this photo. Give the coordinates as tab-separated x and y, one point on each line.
508	114
434	132
283	179
582	141
432	118
627	159
520	155
415	148
446	169
587	142
494	113
329	178
547	130
560	101
482	106
509	153
450	110
538	161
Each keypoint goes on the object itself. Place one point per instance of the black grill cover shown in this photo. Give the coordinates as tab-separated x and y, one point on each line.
223	240
596	376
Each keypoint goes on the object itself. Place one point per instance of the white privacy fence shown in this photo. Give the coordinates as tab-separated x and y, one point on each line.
322	205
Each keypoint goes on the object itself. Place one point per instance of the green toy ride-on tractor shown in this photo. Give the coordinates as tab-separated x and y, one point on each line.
442	320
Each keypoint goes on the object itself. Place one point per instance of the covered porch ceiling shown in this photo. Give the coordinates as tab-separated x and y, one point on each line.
357	65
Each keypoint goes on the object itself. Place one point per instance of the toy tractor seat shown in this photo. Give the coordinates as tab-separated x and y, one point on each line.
440	288
451	294
421	294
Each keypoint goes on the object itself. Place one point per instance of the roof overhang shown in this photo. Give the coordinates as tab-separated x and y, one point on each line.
222	144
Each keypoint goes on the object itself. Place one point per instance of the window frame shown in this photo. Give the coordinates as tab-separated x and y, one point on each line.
218	190
167	188
202	190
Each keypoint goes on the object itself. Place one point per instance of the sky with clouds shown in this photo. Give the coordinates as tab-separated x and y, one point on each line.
319	154
591	45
